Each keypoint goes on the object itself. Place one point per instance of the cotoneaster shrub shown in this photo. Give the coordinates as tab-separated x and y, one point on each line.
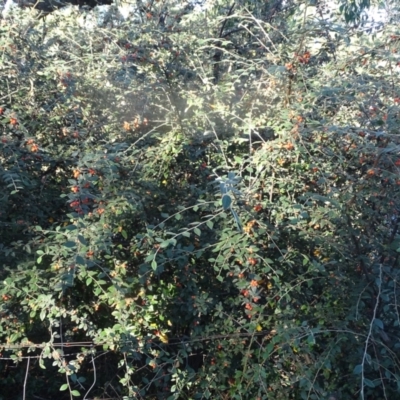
206	208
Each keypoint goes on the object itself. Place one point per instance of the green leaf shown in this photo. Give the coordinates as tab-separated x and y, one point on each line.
369	383
210	224
82	240
311	339
154	265
64	387
75	393
237	220
70	244
80	260
378	323
72	367
357	369
197	231
222	188
226	201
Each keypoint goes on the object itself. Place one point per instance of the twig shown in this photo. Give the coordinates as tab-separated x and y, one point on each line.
223	25
26	378
370	333
357	248
94	378
9	94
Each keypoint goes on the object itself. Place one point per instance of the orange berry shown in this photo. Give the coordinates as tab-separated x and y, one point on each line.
289	146
34	148
252	261
257	208
371	172
254	283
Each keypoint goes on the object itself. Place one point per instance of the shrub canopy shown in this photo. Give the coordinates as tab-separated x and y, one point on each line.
203	204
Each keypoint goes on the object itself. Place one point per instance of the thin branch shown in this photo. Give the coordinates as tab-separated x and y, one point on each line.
94	378
370	334
26	378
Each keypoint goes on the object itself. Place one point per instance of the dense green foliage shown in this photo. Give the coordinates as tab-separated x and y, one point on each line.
203	207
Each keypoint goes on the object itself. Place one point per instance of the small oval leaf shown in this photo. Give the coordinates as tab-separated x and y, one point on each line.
378	323
226	201
357	369
64	387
